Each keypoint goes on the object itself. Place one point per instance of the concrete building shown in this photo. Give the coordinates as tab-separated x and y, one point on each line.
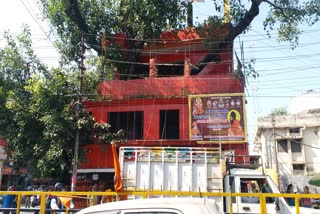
169	102
290	144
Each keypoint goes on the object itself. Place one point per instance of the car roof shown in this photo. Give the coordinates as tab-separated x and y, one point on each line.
183	205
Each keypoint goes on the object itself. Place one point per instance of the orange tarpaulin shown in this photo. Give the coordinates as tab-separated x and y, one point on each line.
118	185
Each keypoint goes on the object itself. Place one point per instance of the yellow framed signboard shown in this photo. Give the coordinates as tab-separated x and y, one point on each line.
217	118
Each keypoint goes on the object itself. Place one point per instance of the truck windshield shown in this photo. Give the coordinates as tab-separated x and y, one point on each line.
256	185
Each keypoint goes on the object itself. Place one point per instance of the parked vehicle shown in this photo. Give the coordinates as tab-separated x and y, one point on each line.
201	170
156	205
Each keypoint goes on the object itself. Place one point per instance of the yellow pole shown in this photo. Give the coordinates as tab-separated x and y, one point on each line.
226	14
230	203
296	203
263	204
43	199
91	199
18	203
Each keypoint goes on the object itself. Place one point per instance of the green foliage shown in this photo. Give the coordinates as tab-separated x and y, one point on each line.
281	111
249	68
36	107
97	70
102	134
134	18
286	16
140	20
212	31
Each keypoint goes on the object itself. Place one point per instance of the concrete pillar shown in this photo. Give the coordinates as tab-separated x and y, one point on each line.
153	70
187	67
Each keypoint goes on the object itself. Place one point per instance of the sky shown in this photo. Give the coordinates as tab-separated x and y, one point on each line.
283	73
15	13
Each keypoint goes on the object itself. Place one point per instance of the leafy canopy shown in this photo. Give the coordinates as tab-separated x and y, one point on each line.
36	108
141	20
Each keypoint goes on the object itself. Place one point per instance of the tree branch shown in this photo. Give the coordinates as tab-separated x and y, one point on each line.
214	55
73	12
277	7
273	5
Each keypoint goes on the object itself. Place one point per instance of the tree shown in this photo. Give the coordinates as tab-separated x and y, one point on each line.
37	123
37	115
146	19
136	19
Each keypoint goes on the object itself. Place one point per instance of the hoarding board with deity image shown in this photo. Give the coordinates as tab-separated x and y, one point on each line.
217	118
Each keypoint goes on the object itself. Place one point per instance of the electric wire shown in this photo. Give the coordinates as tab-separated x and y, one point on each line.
243	36
296	141
36	21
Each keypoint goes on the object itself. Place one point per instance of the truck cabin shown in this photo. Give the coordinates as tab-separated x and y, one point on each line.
251	182
255	185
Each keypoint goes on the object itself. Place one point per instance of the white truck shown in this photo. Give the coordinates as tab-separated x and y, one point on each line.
200	170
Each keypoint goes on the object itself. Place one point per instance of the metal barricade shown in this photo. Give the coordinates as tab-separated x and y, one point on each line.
143	194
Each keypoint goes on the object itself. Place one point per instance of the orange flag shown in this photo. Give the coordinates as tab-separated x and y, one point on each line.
118	185
66	201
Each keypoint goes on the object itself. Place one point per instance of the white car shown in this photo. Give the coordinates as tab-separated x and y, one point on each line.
156	206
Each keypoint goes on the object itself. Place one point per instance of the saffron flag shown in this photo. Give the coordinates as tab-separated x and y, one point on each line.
66	201
118	185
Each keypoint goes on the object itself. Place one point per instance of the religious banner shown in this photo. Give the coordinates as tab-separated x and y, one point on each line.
217	118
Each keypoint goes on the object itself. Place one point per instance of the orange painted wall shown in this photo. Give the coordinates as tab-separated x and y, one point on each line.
151	109
151	95
96	156
170	86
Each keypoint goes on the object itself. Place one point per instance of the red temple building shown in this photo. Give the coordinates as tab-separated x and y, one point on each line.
187	110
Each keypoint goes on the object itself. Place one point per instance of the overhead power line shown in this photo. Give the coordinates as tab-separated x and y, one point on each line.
296	141
35	19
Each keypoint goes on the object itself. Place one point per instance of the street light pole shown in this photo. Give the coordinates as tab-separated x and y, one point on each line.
78	108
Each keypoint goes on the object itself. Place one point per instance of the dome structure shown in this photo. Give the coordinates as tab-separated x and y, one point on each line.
309	100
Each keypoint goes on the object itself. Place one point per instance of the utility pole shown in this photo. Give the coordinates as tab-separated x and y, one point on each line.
78	109
190	14
275	149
